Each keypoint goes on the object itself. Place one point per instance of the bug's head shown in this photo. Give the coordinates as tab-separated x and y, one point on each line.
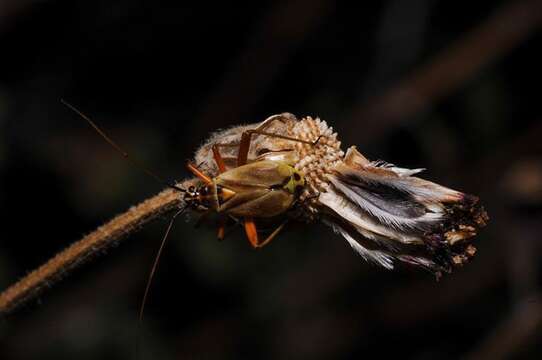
191	196
195	197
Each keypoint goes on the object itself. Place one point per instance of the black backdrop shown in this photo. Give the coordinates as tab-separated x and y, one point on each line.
450	86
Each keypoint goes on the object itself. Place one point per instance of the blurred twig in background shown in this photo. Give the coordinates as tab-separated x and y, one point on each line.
508	338
10	8
508	27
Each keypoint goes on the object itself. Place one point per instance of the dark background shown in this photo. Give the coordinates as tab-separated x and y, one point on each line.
450	86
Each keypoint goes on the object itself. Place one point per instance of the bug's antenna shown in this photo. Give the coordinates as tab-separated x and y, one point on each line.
156	261
121	150
151	276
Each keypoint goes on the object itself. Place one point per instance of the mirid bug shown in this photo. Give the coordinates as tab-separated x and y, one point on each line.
265	188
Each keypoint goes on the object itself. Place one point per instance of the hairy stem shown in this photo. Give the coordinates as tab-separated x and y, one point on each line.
89	246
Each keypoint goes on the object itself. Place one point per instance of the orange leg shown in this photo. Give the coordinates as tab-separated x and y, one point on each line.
221	229
219	162
252	233
216	148
222	233
218	159
194	170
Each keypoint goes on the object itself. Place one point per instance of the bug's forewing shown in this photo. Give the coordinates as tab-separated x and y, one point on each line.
258	203
261	174
252	184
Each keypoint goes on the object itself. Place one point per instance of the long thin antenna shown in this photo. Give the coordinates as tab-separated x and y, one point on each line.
119	149
156	261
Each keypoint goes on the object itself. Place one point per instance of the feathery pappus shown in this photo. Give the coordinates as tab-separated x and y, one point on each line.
386	213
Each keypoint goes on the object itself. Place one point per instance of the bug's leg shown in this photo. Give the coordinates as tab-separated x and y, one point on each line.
232	228
218	159
312	143
221	233
221	225
246	137
244	145
194	170
272	235
226	232
252	233
221	168
229	161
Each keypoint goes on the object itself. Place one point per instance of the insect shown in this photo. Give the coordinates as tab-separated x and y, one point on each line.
264	188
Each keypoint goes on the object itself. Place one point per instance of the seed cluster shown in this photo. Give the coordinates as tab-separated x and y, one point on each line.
315	161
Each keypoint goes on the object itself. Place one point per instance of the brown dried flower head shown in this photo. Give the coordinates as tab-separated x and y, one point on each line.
386	214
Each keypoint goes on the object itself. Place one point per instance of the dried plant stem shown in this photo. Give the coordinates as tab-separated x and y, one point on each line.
94	243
